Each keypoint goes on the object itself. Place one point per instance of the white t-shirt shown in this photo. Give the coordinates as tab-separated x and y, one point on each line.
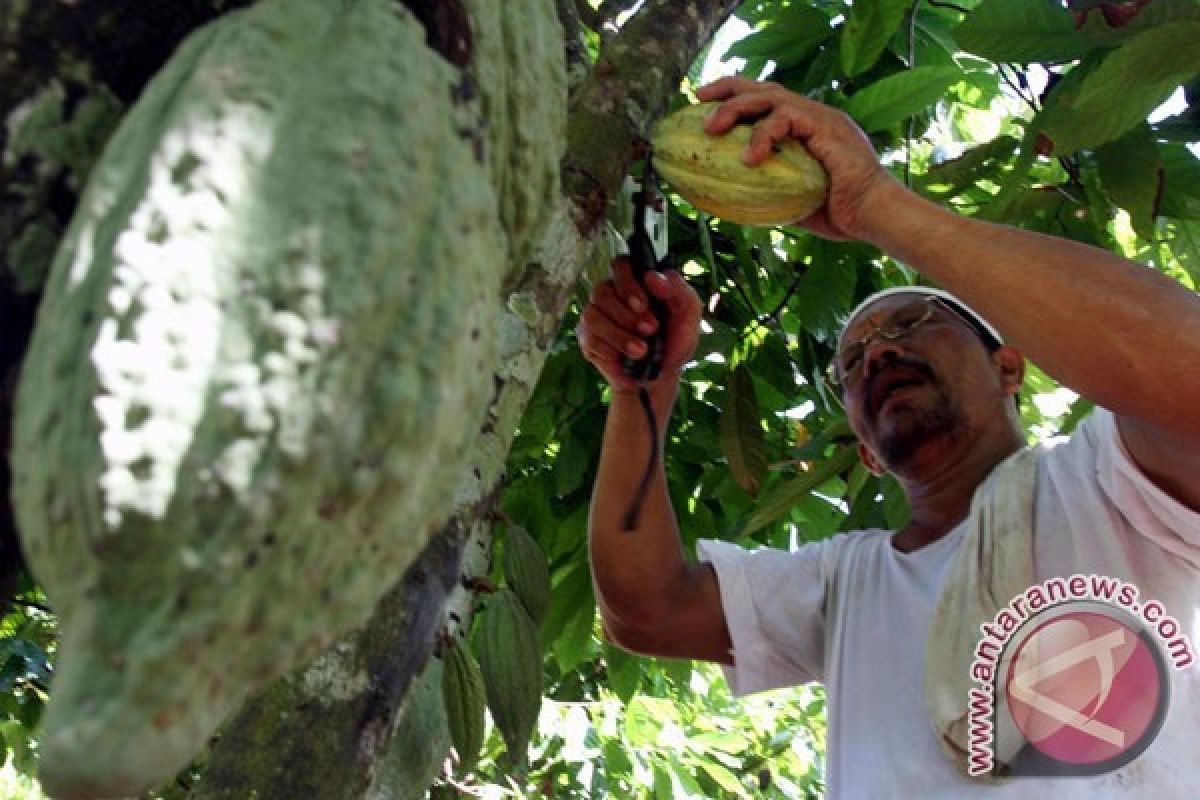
853	612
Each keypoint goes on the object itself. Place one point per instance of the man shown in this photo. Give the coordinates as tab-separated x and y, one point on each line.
929	391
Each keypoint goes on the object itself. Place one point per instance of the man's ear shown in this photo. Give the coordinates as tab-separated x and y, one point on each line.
1011	364
870	461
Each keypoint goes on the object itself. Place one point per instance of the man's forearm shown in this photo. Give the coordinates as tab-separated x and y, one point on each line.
1118	332
628	566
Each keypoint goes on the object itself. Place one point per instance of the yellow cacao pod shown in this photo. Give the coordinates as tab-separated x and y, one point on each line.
708	172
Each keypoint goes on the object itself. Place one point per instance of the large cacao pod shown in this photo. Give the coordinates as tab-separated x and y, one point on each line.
520	64
510	657
708	172
264	348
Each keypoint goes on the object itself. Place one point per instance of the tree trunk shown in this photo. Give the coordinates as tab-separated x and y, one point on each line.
363	720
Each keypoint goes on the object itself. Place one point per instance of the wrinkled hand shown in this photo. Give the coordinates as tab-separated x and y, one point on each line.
618	315
832	137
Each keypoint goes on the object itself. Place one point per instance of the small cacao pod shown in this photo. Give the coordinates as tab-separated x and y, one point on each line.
510	657
527	572
708	172
464	698
263	352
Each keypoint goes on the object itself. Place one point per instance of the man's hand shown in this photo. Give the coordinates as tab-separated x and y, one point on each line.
855	174
618	316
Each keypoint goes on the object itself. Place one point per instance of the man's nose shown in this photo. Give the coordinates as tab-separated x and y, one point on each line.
878	353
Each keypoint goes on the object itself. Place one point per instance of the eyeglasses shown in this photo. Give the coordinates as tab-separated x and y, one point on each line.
847	365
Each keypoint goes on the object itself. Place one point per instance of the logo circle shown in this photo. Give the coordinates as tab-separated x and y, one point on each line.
1087	690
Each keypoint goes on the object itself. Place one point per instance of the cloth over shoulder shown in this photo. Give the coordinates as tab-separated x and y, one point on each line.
994	565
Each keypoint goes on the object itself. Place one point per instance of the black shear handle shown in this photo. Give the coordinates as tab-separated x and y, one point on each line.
648	367
641	254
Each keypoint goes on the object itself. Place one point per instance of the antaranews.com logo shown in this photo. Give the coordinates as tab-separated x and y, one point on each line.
1072	678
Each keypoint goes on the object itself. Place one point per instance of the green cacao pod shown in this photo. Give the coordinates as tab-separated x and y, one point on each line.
520	66
510	657
464	698
708	172
527	572
264	349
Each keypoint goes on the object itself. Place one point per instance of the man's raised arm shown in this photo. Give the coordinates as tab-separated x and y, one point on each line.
651	598
1120	333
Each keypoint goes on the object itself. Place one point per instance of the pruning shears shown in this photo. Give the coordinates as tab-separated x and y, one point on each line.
648	252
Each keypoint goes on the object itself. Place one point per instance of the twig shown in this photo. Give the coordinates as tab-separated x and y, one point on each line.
745	297
706	244
774	315
16	601
611	9
912	62
1029	99
952	6
585	13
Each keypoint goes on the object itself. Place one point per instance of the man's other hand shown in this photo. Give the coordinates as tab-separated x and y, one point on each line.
618	317
855	174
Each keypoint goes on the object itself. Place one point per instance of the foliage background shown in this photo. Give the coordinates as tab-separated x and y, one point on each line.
1001	109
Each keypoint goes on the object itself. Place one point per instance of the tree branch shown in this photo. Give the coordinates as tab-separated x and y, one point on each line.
637	74
584	12
578	62
611	9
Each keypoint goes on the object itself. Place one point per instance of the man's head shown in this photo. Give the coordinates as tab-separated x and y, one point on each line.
922	375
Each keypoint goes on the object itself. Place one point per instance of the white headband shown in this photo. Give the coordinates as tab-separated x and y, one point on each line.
925	291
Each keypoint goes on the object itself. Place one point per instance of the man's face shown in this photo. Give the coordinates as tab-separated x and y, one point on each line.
930	387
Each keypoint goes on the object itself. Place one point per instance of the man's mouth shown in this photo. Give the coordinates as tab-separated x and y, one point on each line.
889	382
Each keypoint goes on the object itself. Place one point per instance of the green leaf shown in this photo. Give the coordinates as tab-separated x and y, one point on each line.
1079	409
889	101
615	758
933	45
771	364
568	626
1130	83
896	510
624	672
1181	182
778	501
663	785
741	431
725	741
869	26
1183	240
826	291
792	37
571	466
1131	172
1183	127
1021	31
953	176
644	719
721	776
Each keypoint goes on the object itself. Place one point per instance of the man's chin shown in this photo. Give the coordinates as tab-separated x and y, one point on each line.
906	429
